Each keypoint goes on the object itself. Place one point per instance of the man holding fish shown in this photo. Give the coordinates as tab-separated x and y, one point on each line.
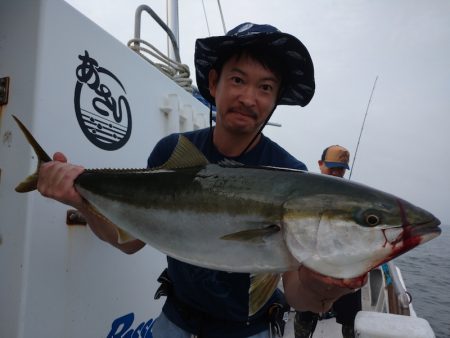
245	74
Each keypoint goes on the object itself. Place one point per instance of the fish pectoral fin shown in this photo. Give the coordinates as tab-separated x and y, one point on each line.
185	155
253	235
123	236
261	289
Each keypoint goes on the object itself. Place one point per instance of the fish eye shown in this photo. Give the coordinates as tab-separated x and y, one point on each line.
372	220
368	217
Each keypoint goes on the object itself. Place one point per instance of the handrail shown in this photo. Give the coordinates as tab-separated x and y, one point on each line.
137	28
399	299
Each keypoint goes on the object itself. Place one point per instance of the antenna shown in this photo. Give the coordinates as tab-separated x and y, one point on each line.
362	127
221	15
206	18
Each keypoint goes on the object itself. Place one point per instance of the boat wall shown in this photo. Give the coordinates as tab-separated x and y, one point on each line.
82	92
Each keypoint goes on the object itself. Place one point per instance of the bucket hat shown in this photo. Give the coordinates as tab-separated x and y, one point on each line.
298	87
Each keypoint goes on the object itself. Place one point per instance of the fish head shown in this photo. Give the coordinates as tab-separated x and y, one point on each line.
346	232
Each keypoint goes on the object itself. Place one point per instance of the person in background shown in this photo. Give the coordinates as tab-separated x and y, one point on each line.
334	162
245	74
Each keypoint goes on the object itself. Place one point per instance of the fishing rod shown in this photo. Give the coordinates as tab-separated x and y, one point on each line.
362	127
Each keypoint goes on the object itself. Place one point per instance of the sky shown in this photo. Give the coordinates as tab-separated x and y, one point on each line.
399	49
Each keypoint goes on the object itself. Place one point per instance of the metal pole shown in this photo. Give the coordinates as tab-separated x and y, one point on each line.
171	36
173	23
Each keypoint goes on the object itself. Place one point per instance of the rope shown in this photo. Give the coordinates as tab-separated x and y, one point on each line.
176	71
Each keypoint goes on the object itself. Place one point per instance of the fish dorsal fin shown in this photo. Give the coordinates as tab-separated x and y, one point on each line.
230	163
261	289
185	155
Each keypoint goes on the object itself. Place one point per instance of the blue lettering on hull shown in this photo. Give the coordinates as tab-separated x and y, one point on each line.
121	328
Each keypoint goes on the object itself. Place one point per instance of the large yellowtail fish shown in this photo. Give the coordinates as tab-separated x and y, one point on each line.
259	220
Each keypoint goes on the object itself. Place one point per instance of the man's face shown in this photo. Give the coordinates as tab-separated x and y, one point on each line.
245	94
338	172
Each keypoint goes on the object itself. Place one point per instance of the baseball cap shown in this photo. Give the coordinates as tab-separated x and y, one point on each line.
299	86
336	157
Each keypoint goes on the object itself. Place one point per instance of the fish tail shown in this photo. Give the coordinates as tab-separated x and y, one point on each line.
30	182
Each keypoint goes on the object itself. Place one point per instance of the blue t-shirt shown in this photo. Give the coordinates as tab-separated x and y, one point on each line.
221	296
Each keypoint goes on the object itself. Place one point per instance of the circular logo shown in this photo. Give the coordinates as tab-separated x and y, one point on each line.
101	106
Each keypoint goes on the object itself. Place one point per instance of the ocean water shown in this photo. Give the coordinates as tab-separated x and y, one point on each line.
426	271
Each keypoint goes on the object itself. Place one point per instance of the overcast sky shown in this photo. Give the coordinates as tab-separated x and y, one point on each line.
405	145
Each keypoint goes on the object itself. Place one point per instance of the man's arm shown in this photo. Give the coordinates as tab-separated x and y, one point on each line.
56	181
306	290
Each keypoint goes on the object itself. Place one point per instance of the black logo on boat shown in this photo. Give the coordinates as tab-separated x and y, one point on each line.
101	107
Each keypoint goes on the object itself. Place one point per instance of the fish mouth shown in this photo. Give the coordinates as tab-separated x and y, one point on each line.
425	228
428	228
413	234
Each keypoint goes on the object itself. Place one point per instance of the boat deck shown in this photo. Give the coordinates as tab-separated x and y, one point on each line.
326	328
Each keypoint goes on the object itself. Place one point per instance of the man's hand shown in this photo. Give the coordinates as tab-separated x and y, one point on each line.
307	290
56	181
